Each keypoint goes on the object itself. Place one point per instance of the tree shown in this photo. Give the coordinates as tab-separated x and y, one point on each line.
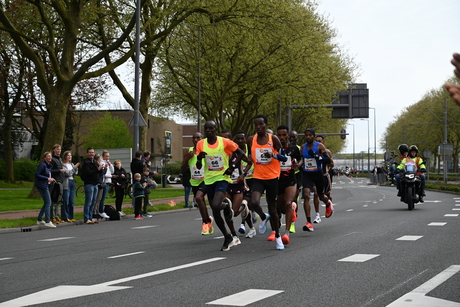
249	64
56	36
109	132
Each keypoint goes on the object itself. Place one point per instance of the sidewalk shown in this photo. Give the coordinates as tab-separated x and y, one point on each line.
11	215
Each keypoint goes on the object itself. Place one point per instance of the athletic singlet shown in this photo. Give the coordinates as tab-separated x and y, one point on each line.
264	168
311	164
291	153
216	160
197	174
250	173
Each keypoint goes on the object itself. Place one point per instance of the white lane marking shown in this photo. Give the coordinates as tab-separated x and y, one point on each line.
452	215
1	259
455	208
457	205
417	297
56	239
125	255
221	237
67	292
359	257
365	206
245	298
409	238
436	224
349	210
433	201
143	227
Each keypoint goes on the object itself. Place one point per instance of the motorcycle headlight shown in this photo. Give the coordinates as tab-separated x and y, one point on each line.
410	176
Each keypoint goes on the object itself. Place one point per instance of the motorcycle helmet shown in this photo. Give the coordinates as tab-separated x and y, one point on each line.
413	148
403	149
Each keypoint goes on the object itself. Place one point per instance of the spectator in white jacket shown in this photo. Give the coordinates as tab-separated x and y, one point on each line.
106	182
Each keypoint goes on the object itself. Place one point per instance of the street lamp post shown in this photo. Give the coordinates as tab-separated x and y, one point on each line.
354	166
375	136
368	146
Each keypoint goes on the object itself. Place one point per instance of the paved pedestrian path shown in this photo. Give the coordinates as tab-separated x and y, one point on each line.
11	215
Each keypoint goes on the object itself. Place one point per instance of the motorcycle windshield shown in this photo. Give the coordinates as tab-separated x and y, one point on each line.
410	168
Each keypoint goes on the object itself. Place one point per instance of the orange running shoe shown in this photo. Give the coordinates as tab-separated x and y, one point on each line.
308	227
294	211
286	240
329	210
271	237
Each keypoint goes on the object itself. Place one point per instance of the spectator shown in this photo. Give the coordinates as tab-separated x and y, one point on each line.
151	184
107	180
68	194
138	194
42	183
119	179
454	89
90	176
57	172
100	189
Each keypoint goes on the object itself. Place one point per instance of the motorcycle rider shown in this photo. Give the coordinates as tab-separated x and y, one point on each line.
413	151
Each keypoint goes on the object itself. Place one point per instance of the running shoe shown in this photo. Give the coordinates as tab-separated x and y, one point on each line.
263	224
121	213
294	212
204	229
89	222
228	242
244	209
242	229
251	233
308	227
139	217
292	228
146	215
228	211
255	217
210	228
329	210
40	222
271	237
286	240
104	215
421	199
279	244
236	241
317	219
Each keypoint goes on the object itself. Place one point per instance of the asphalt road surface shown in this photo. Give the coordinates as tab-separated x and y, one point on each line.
371	252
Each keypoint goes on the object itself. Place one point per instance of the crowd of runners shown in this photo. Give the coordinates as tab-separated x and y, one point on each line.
233	176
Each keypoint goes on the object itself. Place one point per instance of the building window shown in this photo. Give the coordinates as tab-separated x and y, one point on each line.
152	143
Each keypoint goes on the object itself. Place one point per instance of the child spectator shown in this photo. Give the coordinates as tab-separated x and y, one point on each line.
119	180
151	184
138	194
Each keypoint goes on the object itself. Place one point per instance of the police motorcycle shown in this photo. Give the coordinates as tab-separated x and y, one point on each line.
410	184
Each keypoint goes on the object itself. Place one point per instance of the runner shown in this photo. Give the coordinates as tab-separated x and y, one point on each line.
213	153
240	139
287	185
314	154
327	181
235	190
293	136
197	182
264	148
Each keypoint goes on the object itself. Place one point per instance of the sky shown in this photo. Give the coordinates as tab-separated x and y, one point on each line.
403	49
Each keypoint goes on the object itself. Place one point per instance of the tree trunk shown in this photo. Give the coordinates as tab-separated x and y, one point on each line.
7	139
144	100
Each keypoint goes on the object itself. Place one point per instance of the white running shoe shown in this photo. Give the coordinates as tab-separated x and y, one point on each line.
121	213
279	243
242	229
40	222
50	225
252	233
317	219
104	215
236	240
244	209
263	224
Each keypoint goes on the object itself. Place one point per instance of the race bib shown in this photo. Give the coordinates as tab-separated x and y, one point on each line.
234	176
197	174
286	166
310	164
215	163
260	158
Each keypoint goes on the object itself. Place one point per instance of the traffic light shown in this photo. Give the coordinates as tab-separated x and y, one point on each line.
343	135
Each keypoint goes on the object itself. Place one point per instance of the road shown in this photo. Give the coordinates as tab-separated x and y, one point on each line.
371	252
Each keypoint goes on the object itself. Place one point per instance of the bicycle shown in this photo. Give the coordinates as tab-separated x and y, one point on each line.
80	190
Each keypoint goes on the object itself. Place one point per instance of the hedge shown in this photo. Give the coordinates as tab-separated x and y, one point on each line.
24	170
